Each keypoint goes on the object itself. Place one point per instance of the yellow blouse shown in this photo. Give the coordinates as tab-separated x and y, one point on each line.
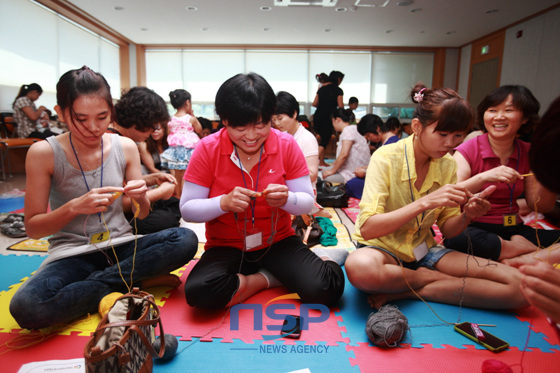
388	187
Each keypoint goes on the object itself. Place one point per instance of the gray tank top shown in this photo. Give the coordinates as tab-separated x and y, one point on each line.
68	183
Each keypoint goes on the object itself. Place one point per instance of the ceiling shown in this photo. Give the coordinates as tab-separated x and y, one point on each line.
398	23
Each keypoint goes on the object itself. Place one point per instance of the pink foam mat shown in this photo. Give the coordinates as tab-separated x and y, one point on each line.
448	359
56	347
214	328
183	320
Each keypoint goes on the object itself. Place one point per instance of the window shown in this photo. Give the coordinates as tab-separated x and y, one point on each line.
204	71
356	67
63	46
395	74
164	72
284	70
381	81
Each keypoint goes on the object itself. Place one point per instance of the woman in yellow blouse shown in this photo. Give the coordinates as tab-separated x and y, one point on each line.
410	185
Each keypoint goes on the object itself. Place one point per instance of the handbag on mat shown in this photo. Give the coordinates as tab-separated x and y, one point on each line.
331	194
122	341
307	229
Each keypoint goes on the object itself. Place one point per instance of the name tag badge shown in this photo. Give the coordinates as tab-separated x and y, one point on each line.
99	237
420	251
510	220
253	240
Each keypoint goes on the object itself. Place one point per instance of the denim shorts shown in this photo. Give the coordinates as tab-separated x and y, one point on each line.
429	260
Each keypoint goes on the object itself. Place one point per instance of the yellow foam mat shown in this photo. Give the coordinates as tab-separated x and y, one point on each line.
84	326
29	244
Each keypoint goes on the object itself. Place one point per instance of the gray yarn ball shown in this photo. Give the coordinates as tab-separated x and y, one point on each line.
387	326
171	345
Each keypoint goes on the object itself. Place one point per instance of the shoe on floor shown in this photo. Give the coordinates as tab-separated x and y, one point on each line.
10	218
14	230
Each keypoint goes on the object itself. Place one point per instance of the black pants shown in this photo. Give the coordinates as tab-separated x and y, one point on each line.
164	214
41	135
213	281
485	238
323	126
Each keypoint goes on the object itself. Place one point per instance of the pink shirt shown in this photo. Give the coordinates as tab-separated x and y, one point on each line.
181	132
214	165
481	157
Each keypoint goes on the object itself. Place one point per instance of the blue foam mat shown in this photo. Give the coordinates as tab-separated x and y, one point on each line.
427	329
238	356
16	267
11	204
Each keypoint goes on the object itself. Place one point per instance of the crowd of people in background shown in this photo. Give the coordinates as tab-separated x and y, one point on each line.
246	175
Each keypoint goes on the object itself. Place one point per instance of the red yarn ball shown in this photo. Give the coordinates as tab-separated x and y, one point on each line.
495	366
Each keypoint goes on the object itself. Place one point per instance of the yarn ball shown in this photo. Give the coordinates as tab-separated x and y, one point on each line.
387	326
171	345
495	366
107	302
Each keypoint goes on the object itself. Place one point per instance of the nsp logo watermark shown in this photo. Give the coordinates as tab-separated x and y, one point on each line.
273	311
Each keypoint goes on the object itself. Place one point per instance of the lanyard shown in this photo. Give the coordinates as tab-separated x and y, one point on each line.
411	193
254	202
511	189
82	170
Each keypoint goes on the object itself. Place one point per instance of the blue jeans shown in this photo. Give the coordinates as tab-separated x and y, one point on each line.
69	288
429	261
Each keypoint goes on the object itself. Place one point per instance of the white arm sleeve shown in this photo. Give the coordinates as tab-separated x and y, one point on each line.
195	205
300	197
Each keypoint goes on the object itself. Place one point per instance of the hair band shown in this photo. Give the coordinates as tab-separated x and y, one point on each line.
419	96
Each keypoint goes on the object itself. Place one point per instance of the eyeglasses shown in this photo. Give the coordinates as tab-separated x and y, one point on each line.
157	128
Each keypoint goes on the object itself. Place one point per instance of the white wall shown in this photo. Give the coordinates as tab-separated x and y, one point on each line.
451	65
533	60
132	65
464	71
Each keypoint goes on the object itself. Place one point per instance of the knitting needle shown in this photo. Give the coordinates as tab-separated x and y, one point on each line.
529	174
480	324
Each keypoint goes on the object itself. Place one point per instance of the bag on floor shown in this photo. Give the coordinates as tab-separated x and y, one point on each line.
331	195
307	229
123	339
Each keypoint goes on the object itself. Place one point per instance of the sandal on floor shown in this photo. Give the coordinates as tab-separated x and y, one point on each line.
14	230
10	218
19	224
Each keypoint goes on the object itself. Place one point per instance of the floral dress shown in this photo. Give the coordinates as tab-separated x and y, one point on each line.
182	140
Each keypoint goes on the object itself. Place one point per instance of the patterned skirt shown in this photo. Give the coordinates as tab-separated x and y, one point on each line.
176	157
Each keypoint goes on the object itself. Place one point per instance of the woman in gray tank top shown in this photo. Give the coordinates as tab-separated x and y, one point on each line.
92	251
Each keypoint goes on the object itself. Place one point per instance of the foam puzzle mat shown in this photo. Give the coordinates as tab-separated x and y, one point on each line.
337	343
240	339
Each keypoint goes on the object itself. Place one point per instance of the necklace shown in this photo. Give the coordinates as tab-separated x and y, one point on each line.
245	183
419	223
114	130
96	171
244	155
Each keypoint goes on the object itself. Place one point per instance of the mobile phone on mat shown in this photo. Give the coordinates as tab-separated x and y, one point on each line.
291	327
481	336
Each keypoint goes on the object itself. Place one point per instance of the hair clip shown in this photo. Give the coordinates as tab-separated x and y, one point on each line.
419	96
